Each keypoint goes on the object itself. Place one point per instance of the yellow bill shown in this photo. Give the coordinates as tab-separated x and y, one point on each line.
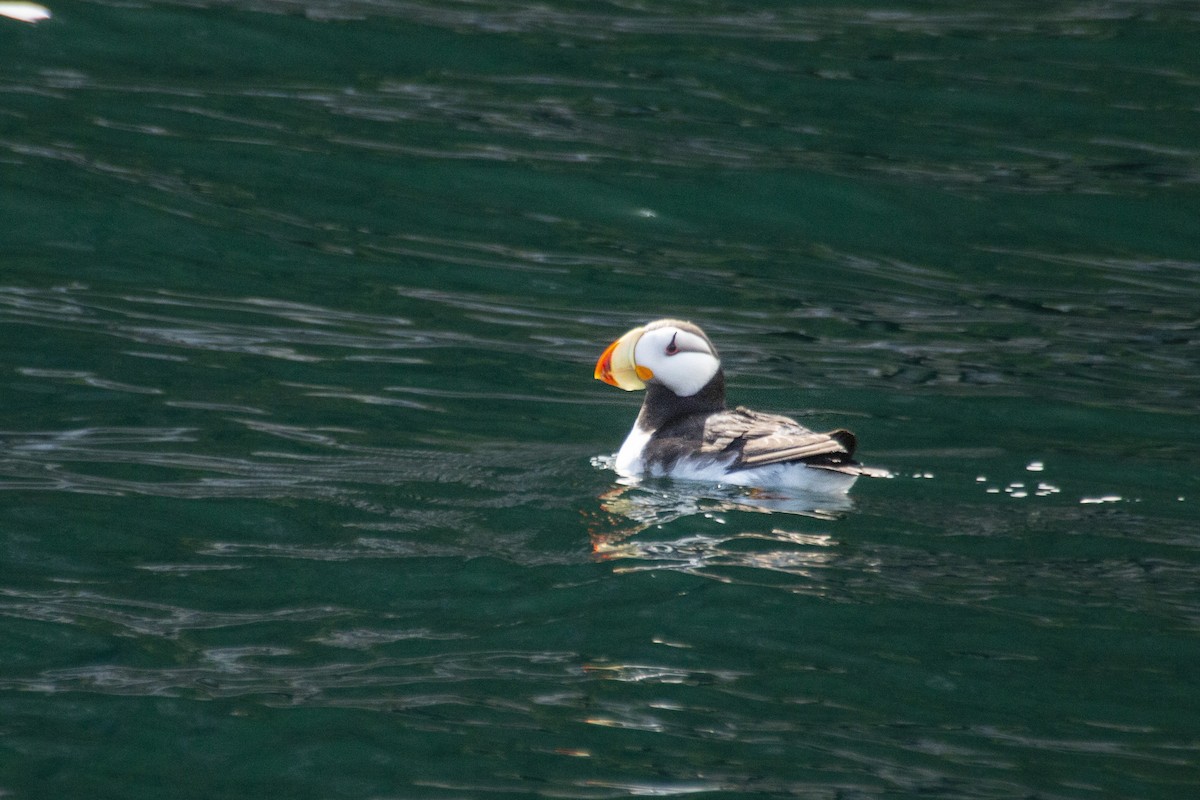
617	366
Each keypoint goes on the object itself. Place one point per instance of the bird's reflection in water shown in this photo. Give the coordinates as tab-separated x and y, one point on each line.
712	548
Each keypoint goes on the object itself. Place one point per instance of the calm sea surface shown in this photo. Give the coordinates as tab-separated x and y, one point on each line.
304	488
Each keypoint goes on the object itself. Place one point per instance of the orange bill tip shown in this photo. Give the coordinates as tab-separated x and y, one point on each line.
604	364
617	367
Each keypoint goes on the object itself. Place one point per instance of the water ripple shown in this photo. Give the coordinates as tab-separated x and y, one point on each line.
252	671
124	616
631	115
40	461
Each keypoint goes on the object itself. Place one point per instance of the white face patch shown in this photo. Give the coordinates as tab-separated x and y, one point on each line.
681	361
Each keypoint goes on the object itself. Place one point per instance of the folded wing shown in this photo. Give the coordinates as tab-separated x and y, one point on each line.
762	439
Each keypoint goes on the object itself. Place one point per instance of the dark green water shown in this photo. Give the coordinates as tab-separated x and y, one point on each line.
299	494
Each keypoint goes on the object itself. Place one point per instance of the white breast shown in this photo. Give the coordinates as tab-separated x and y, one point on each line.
630	463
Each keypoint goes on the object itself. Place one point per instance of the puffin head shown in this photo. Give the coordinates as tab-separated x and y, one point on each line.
669	352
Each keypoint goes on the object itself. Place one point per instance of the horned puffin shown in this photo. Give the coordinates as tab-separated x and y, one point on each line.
685	430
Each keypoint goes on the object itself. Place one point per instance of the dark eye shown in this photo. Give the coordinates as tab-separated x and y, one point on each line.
672	348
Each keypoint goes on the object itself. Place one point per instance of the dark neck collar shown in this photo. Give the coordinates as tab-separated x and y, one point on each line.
662	405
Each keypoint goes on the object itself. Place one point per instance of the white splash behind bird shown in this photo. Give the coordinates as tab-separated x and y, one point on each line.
684	429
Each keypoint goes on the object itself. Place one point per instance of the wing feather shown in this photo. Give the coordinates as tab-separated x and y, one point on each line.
762	439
